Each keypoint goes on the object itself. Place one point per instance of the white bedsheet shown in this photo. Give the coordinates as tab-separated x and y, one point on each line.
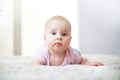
20	68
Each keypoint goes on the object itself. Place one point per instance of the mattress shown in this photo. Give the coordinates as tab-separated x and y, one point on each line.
20	68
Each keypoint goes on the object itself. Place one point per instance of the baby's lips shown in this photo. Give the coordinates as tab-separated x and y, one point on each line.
58	44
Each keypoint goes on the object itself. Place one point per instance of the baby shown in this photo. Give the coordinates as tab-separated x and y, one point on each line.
56	50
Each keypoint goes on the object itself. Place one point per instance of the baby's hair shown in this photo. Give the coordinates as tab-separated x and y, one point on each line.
57	18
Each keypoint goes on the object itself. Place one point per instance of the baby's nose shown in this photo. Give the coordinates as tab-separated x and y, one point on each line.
59	37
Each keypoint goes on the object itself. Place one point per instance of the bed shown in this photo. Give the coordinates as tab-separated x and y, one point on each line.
20	68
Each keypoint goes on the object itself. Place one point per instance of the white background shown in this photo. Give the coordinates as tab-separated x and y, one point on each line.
95	24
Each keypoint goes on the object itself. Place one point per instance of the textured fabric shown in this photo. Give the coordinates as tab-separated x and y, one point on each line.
71	57
20	68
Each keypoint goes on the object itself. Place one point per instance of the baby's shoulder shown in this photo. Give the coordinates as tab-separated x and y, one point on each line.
74	51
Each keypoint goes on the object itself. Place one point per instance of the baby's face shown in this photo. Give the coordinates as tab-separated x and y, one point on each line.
58	35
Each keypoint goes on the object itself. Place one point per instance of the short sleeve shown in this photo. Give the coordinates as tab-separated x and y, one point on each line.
77	51
75	57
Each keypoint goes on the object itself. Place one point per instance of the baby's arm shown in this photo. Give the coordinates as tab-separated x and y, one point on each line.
85	61
36	62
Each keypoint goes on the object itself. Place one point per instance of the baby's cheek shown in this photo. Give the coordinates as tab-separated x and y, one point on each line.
67	42
49	41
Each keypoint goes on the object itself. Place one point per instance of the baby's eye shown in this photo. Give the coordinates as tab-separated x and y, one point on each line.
53	33
64	34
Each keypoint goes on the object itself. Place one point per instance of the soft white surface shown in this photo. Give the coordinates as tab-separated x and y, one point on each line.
20	68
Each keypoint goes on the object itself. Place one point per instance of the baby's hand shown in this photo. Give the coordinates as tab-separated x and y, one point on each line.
94	63
85	61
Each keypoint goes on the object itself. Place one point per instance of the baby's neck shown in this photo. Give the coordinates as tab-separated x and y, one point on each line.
56	59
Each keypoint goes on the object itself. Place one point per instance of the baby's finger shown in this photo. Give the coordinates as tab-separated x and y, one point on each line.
97	64
100	64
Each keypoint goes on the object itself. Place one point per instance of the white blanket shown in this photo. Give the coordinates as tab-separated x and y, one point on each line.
20	68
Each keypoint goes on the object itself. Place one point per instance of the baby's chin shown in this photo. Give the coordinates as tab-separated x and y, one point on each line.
58	49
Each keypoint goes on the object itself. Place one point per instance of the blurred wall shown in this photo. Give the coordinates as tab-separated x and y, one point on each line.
99	22
6	27
95	25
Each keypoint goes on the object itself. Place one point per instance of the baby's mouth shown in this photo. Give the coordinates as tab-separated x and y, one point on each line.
58	44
